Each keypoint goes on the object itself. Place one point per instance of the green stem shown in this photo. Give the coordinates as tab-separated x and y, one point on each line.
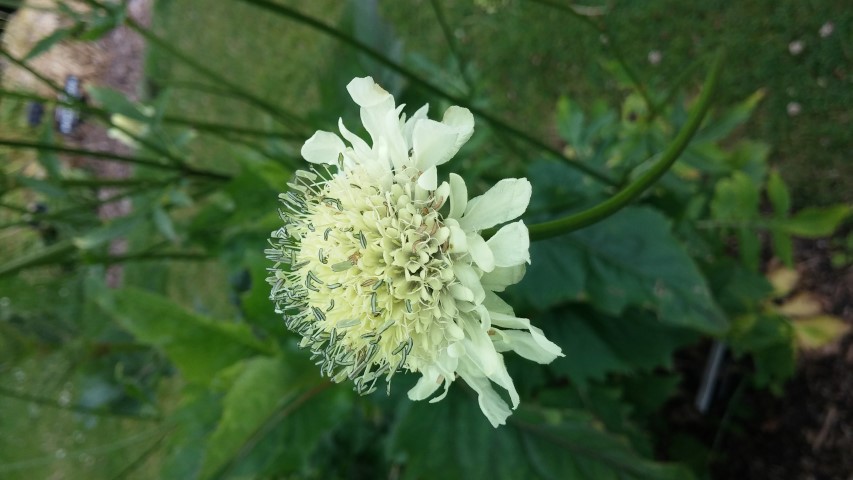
47	402
113	156
148	256
615	203
451	44
411	76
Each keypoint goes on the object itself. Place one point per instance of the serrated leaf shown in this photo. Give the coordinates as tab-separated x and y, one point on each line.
630	259
197	345
815	222
596	345
544	443
267	394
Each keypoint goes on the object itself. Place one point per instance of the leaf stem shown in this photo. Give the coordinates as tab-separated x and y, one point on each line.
615	203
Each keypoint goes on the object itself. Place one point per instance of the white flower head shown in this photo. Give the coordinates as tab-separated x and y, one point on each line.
382	269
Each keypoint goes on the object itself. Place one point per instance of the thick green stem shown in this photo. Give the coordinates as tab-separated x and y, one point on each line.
615	203
414	78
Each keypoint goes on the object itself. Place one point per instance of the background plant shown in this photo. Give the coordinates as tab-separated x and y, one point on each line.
191	366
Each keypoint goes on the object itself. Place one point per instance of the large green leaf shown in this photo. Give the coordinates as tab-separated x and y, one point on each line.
273	414
630	259
197	345
596	345
453	440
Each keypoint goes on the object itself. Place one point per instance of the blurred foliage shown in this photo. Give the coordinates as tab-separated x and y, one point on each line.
186	371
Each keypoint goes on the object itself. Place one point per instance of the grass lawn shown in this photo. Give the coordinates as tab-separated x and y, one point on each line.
522	56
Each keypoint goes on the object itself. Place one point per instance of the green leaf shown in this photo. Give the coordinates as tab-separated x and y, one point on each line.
197	345
778	194
596	345
44	256
723	125
116	102
164	224
769	339
277	406
736	198
814	222
630	259
452	439
111	230
47	42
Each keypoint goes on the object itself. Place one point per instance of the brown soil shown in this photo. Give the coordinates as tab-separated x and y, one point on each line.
807	432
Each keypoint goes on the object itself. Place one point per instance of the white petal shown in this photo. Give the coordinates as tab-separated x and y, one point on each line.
501	277
502	378
442	193
469	278
510	245
480	252
479	347
433	143
546	350
496	304
458	242
491	404
505	201
359	146
461	292
428	179
426	386
410	123
532	346
458	196
323	147
367	93
462	121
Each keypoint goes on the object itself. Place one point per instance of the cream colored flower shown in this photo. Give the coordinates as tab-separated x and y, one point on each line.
382	269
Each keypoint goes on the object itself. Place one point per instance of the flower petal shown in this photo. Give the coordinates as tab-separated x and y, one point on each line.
409	126
505	201
532	346
510	245
428	179
462	121
359	146
426	386
501	277
367	93
480	252
469	278
491	404
536	348
433	143
323	147
458	196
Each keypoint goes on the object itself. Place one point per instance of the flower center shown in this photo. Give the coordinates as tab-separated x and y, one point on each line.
369	274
